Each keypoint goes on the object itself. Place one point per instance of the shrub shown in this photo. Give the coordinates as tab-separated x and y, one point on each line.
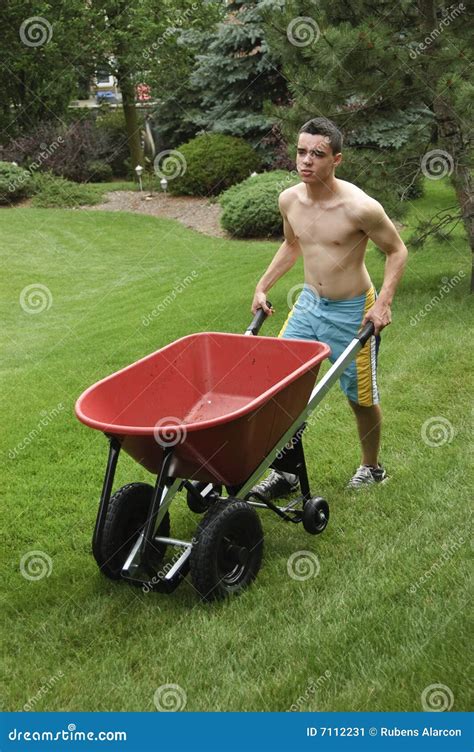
209	164
54	192
15	183
99	172
64	151
250	209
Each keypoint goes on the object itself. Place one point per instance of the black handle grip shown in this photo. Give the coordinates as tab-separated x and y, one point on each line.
258	320
366	333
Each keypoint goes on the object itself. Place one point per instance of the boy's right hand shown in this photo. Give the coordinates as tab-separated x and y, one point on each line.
260	301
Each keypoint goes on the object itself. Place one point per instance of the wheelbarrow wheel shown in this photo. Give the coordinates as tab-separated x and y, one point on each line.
126	515
227	552
200	505
315	515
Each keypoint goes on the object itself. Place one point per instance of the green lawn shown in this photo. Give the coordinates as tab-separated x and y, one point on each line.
386	616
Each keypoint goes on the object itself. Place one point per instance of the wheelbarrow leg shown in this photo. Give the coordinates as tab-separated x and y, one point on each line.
114	451
291	459
153	516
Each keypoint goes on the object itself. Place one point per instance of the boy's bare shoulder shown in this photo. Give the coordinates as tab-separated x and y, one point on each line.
288	196
360	203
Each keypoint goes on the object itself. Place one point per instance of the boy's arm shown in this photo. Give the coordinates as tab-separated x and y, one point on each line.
381	230
283	260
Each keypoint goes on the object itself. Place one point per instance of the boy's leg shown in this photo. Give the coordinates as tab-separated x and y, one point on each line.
369	423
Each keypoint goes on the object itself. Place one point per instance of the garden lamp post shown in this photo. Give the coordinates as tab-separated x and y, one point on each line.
164	184
139	170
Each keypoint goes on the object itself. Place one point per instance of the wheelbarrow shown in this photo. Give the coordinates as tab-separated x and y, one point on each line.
208	415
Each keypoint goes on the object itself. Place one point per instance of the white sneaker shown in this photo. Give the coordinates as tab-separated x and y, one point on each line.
366	475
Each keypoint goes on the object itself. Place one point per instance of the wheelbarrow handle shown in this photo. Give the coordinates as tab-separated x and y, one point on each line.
258	320
366	333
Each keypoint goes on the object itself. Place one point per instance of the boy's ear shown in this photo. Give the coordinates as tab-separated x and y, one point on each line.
337	159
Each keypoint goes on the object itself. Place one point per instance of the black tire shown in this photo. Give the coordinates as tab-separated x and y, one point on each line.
126	515
228	549
315	515
199	506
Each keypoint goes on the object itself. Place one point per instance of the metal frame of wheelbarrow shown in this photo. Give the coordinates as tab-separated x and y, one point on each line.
286	455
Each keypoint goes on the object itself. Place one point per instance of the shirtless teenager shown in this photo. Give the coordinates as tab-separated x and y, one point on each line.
328	222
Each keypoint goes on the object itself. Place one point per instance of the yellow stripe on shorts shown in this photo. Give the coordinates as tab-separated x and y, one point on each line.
282	330
365	363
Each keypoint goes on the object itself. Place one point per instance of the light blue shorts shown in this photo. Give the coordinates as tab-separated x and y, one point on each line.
336	322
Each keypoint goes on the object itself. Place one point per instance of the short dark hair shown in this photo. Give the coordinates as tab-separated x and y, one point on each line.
322	126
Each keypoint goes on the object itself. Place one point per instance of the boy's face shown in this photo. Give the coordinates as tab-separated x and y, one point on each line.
315	161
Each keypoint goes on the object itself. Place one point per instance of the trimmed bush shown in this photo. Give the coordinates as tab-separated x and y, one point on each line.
53	192
209	164
99	172
15	183
250	209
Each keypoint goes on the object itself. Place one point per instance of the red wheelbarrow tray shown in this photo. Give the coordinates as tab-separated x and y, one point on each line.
220	401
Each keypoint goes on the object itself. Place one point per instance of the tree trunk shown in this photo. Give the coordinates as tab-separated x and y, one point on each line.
451	133
131	117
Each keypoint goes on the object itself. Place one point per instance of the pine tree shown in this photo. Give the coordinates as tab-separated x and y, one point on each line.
237	75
